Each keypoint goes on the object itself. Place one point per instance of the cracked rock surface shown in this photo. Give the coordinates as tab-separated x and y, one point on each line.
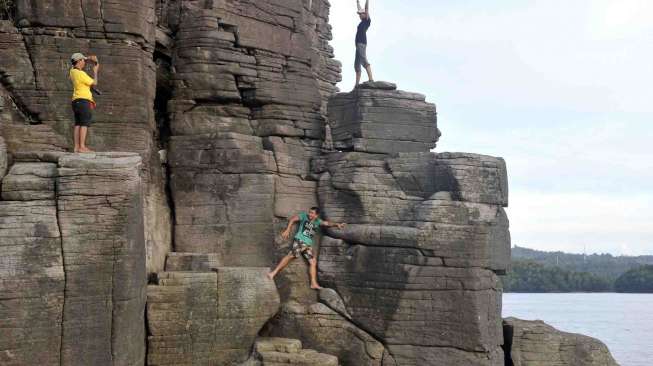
225	116
73	263
536	343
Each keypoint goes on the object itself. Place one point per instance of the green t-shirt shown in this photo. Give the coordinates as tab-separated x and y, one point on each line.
307	228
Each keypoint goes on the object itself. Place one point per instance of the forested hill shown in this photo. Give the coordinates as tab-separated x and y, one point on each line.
602	265
537	271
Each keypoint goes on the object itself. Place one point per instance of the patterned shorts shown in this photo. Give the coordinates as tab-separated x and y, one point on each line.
298	248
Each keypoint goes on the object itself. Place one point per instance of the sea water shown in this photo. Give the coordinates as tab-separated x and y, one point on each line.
624	322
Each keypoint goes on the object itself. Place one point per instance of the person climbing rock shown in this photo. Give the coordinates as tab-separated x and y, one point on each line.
361	42
83	103
309	224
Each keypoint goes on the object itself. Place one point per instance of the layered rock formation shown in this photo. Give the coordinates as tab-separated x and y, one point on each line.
220	109
206	315
34	63
378	118
284	351
73	261
416	266
535	343
246	116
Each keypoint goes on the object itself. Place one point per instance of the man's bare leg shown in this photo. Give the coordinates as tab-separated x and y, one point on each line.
83	131
76	139
358	78
313	273
368	68
282	264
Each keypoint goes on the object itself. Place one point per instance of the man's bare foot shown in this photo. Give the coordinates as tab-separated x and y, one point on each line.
316	287
75	150
270	275
85	150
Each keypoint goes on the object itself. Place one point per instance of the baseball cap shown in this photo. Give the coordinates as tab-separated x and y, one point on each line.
77	56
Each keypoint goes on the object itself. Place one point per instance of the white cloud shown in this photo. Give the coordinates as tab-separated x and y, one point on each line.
561	89
619	19
574	221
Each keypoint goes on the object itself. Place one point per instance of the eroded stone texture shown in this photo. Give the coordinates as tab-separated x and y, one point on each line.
4	158
31	283
535	343
208	318
284	351
250	83
99	200
192	262
323	329
36	89
377	118
73	266
416	264
30	182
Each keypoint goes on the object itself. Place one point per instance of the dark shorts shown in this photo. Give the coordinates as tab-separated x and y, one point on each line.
298	248
361	57
83	112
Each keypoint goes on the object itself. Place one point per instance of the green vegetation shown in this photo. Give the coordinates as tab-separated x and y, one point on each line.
636	280
7	9
601	265
528	276
537	271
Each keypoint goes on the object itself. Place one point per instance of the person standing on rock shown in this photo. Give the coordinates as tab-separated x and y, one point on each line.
361	42
309	224
82	103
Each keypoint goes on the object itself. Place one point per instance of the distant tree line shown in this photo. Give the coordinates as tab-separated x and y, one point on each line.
636	280
529	276
538	271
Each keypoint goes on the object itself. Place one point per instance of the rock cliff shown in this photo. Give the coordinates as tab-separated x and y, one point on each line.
536	343
219	112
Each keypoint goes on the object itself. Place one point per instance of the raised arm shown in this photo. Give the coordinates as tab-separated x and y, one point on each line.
332	224
367	6
286	233
96	68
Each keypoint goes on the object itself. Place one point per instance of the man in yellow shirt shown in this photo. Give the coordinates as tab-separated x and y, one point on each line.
83	103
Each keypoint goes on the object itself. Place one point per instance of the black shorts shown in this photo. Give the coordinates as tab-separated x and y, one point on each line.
83	112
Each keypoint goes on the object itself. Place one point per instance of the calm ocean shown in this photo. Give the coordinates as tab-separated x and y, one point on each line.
624	322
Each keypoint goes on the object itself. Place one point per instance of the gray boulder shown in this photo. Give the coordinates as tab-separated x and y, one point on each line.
73	266
30	182
100	212
283	351
535	343
32	283
200	318
377	118
3	158
416	266
323	329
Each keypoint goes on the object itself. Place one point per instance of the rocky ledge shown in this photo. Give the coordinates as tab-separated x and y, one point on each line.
534	343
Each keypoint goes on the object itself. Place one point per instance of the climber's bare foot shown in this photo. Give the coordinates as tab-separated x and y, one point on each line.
76	150
315	286
85	150
270	275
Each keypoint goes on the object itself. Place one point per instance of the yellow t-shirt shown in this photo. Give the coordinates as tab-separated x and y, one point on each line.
81	84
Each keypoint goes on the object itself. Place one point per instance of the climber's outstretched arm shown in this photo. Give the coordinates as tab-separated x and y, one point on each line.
286	233
367	6
332	224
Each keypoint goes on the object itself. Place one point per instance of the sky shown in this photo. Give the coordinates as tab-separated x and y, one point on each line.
563	90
